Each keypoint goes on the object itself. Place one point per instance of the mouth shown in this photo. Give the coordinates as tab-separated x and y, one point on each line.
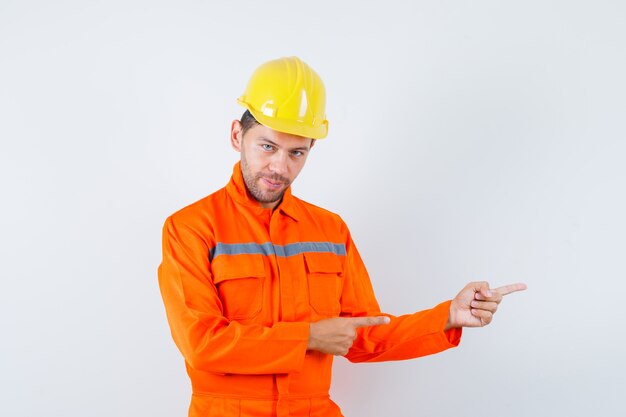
273	185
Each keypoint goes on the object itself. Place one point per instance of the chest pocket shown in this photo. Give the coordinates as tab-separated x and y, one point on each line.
239	280
324	281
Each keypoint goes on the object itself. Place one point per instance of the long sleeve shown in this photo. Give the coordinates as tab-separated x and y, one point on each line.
405	337
207	339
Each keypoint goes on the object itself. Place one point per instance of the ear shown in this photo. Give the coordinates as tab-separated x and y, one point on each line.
236	135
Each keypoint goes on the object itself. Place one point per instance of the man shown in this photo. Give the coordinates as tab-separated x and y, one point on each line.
261	289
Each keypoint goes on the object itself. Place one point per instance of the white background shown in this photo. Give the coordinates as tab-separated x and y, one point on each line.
469	140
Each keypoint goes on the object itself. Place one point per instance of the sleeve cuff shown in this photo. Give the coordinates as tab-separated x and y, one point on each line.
453	335
296	334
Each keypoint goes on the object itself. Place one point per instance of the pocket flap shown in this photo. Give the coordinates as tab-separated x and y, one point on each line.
237	266
321	262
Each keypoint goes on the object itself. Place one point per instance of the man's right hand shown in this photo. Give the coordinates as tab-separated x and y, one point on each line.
335	336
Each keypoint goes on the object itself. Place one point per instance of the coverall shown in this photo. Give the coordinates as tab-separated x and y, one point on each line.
241	284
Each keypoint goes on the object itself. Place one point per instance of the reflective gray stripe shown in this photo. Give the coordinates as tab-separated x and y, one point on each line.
268	248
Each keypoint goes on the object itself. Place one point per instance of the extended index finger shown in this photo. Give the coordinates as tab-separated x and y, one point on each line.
508	289
369	321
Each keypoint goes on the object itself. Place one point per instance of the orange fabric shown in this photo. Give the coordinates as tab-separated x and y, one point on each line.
241	284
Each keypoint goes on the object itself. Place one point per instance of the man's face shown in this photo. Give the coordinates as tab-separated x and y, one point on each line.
270	160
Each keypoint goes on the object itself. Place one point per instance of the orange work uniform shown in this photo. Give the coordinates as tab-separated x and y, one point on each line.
241	284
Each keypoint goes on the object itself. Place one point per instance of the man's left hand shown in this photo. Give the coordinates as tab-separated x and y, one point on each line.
476	304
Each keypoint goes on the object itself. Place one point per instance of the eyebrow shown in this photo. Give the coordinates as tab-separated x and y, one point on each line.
299	148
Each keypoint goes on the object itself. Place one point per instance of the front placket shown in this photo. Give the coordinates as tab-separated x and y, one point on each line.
287	310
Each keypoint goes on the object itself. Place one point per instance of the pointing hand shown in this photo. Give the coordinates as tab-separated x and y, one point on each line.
335	336
476	304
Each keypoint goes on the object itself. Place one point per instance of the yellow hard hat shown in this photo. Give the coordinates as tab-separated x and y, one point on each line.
288	96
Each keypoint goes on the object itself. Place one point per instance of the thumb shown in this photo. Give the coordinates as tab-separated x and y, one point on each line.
369	321
482	288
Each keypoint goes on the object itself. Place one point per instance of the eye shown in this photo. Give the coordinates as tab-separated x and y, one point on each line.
297	153
267	147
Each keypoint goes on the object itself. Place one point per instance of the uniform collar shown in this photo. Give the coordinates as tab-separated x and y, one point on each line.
236	188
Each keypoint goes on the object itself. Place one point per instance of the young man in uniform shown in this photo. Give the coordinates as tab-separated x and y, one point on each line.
261	289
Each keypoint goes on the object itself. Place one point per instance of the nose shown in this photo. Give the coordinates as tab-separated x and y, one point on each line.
279	163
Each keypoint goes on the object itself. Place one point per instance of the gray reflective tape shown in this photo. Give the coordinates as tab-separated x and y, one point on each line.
242	249
283	251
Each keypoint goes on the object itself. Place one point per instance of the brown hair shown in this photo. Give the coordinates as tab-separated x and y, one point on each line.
247	122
